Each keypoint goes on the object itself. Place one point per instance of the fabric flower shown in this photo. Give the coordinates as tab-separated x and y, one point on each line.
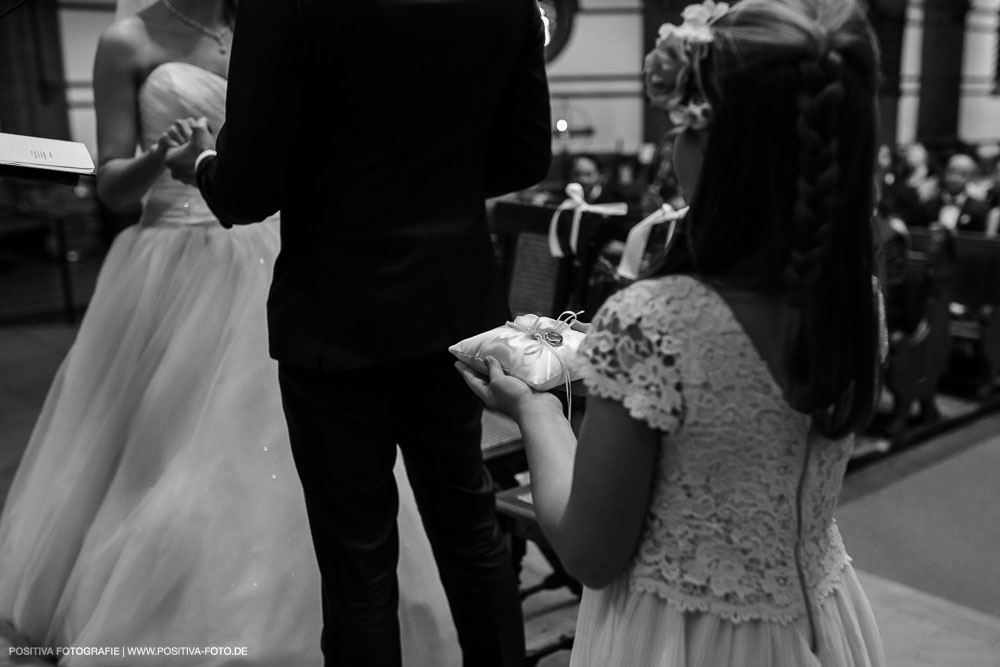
670	68
698	20
667	69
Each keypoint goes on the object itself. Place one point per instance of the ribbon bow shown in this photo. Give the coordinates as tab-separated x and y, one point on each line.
638	237
549	336
576	201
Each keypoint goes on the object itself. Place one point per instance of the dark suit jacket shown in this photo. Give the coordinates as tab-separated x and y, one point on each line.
972	217
378	128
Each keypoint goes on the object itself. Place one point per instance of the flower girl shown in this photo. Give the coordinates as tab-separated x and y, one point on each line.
725	390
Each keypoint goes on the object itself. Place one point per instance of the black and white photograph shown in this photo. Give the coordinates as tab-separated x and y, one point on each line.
499	333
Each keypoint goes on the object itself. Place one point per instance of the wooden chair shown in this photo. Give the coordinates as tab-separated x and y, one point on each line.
540	283
515	504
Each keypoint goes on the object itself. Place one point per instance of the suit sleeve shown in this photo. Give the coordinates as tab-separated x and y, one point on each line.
519	149
243	183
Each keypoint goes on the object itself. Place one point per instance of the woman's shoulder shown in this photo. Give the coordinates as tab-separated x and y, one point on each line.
132	47
125	44
129	34
140	39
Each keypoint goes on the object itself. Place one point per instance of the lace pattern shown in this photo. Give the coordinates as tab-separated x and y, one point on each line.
720	535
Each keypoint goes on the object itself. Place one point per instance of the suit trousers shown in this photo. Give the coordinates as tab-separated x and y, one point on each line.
344	428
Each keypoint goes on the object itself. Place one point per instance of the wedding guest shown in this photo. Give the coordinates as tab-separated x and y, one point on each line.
725	390
922	173
982	179
993	185
896	193
990	187
598	188
156	504
954	207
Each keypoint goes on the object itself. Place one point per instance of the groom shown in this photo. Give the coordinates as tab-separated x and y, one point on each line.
378	128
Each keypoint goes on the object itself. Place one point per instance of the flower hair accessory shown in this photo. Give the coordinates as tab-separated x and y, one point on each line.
673	76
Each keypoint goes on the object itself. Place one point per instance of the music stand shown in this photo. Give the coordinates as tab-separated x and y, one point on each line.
38	159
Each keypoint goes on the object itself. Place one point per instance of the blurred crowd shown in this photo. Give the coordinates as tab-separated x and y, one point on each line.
957	190
644	181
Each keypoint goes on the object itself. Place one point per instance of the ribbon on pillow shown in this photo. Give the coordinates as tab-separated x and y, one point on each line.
549	337
576	201
638	238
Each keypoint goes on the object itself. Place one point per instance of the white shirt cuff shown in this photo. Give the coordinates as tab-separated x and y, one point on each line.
208	152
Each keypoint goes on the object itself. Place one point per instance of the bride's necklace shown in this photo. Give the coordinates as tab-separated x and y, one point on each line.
219	37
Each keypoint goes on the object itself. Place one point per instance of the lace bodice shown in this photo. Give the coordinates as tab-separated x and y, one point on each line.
722	531
172	91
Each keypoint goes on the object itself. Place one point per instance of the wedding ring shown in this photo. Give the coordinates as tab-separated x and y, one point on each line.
553	338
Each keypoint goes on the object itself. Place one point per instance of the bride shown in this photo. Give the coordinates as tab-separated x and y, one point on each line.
157	505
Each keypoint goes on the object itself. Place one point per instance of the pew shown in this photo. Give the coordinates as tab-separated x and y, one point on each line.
974	325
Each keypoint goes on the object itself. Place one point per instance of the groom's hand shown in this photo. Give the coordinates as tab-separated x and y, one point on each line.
181	161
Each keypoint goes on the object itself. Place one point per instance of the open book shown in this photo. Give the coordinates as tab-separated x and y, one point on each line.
38	157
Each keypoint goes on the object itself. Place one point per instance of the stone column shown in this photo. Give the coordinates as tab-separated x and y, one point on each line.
941	72
888	18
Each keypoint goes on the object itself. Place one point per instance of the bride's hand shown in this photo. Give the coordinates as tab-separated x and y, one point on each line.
499	391
198	138
174	137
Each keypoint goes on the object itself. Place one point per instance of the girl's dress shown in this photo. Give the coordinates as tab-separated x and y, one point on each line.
742	501
157	505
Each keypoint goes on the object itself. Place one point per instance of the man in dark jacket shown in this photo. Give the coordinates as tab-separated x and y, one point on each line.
378	128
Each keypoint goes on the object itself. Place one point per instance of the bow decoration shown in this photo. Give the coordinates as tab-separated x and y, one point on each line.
548	337
638	238
576	202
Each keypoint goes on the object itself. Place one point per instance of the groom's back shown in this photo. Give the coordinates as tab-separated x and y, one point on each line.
412	111
406	90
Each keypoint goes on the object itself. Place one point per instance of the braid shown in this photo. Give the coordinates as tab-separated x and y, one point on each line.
803	74
817	205
816	212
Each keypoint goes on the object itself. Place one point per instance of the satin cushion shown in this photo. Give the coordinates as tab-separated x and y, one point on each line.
541	351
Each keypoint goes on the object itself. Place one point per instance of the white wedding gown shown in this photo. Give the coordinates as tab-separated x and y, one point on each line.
157	503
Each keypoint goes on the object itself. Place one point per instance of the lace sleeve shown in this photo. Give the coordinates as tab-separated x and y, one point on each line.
632	354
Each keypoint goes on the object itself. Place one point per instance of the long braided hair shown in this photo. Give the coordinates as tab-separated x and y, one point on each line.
785	198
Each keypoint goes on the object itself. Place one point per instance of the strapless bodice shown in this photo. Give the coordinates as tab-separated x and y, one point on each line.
172	91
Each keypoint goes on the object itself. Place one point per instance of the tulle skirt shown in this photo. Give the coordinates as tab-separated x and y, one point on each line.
623	628
157	505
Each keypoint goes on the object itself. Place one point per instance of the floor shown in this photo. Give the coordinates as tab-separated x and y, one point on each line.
921	524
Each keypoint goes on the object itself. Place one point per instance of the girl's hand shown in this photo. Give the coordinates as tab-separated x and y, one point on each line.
500	391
